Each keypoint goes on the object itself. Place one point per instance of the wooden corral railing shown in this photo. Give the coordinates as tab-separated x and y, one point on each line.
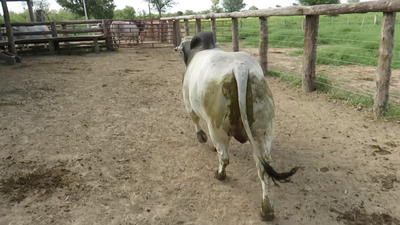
312	13
224	27
60	33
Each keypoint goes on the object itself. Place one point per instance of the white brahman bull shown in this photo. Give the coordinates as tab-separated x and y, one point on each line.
31	29
120	29
228	90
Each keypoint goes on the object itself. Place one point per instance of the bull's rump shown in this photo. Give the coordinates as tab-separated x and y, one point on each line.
214	92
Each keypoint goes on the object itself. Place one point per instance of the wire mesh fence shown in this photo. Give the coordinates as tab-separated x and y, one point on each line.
347	55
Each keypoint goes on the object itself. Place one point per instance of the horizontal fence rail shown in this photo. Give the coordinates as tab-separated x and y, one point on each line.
362	7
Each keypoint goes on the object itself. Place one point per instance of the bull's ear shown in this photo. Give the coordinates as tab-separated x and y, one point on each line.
195	42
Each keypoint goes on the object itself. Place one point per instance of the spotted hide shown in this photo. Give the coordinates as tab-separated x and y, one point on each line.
229	92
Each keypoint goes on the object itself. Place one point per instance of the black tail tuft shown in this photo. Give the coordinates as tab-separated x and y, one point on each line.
281	177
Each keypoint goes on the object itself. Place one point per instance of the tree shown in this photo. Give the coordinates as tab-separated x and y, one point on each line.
207	11
44	5
295	4
100	9
179	13
253	8
126	13
141	13
353	1
215	6
161	5
233	5
189	12
277	6
318	2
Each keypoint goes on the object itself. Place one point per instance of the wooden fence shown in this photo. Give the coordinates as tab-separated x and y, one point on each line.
60	32
311	26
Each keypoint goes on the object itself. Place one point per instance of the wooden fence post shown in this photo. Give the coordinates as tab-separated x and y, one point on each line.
263	50
214	28
177	32
198	26
53	29
10	37
64	27
171	31
187	29
310	53
163	31
30	9
381	97
107	34
235	34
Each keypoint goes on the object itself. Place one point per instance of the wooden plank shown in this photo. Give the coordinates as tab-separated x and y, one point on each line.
30	10
198	26
84	30
263	49
235	34
51	48
96	46
310	53
64	27
83	22
164	33
53	29
31	33
10	37
178	32
73	22
171	30
29	3
187	29
384	71
214	28
361	7
106	29
28	24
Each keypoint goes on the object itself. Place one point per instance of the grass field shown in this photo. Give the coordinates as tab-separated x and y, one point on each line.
343	40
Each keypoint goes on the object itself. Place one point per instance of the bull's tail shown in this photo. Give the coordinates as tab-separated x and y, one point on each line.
241	74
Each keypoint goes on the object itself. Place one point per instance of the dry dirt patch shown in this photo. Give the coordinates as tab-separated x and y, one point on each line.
110	137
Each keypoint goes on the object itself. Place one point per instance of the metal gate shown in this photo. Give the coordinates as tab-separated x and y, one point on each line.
129	33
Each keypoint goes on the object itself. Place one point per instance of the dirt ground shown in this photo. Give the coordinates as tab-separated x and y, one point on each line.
105	139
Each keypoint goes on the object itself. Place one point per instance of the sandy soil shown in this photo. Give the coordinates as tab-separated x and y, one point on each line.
105	139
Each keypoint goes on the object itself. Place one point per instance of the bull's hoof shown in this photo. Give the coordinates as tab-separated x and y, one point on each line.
220	176
201	136
267	216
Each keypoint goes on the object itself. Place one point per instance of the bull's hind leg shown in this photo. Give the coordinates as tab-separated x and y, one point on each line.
201	135
221	142
264	147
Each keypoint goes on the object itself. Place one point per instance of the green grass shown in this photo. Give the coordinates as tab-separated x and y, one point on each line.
342	40
324	85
